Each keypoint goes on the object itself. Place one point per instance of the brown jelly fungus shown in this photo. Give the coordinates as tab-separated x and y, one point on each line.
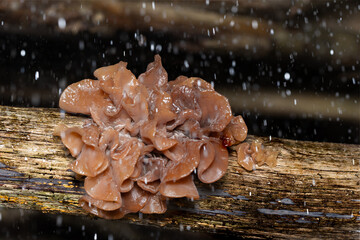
147	138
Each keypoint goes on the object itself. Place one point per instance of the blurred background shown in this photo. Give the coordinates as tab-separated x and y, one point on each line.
290	68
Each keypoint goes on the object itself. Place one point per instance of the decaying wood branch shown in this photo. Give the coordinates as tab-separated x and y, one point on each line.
313	192
255	29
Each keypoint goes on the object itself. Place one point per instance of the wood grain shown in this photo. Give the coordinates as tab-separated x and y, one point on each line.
313	192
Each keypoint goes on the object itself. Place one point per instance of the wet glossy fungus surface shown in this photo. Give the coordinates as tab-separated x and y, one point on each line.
147	138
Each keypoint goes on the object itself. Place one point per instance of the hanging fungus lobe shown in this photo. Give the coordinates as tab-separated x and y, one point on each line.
147	137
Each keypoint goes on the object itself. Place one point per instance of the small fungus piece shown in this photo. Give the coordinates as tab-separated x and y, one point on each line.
148	137
235	131
251	154
244	158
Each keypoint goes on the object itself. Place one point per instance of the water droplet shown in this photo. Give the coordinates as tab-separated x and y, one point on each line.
62	114
244	86
158	48
22	52
254	24
331	52
61	23
231	71
59	221
287	76
186	64
234	9
37	75
81	45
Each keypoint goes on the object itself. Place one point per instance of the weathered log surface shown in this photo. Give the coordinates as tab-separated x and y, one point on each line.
313	192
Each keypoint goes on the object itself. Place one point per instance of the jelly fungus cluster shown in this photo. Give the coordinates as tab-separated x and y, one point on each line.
147	138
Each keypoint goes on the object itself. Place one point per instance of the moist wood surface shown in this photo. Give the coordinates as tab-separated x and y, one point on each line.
313	192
